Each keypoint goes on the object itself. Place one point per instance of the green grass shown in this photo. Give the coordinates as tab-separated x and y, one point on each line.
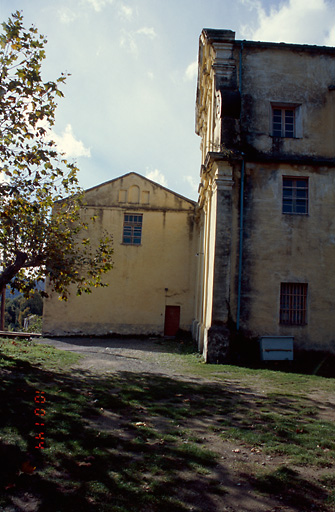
20	351
136	442
291	487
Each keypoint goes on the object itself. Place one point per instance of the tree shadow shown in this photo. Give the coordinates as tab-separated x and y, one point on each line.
291	488
245	352
144	461
139	343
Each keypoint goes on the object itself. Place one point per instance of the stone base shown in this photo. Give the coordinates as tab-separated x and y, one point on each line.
218	345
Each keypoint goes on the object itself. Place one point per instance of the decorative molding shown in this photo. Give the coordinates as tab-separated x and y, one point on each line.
223	183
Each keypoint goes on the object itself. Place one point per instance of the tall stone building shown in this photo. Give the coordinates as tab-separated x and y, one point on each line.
265	113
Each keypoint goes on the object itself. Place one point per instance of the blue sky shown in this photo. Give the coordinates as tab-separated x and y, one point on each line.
129	103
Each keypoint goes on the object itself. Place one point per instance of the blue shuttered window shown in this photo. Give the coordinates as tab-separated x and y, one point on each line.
132	229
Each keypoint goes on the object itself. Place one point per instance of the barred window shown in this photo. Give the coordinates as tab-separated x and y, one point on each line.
132	229
293	303
295	195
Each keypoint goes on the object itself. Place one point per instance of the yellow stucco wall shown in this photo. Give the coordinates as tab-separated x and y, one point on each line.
145	278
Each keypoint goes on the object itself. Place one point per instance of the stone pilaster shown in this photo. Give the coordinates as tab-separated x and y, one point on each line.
217	336
222	191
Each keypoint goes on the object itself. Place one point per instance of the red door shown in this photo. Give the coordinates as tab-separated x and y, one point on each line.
172	319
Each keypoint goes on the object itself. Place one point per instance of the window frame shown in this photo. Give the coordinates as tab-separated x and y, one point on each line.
294	198
285	124
296	126
132	229
293	304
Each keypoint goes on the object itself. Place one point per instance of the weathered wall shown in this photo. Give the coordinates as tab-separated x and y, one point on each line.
285	75
280	247
145	278
289	248
239	82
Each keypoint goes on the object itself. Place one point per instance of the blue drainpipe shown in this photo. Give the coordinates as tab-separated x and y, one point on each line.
241	214
240	250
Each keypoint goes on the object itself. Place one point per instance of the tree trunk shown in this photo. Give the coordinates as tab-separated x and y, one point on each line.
3	304
5	277
9	272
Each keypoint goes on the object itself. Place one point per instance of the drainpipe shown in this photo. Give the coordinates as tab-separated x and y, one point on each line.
240	250
241	213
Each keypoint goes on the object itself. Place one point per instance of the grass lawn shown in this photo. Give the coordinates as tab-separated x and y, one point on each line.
78	441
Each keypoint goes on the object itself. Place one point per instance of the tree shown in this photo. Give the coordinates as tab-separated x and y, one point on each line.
19	308
41	231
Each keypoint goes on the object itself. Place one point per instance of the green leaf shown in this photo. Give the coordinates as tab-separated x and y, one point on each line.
40	201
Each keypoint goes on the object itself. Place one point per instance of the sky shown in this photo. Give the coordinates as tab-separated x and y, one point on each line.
130	100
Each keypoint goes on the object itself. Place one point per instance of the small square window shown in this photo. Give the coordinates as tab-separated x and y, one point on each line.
286	120
132	229
293	303
283	122
295	195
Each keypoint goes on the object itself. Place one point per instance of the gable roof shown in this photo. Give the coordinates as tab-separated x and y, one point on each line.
116	192
135	191
144	178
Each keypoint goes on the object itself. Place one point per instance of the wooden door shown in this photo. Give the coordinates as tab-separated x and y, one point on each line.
172	319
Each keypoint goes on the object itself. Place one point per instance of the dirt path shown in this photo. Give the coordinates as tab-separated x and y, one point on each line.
114	354
236	461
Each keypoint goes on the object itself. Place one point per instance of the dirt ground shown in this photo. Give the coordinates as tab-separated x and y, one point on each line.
238	462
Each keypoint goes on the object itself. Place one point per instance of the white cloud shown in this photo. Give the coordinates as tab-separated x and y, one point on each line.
147	31
127	41
68	144
191	71
192	182
3	177
157	176
126	12
293	21
330	40
98	5
66	15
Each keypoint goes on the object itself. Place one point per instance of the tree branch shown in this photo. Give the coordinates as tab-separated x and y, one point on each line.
9	272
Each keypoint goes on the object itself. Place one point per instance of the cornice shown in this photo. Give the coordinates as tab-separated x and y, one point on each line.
229	156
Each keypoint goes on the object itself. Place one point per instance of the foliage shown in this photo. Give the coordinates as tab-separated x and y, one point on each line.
19	308
35	243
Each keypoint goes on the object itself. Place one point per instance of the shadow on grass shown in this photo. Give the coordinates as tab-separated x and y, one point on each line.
291	488
182	343
245	352
118	443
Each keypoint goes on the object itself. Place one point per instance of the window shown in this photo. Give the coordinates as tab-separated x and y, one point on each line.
295	195
283	122
293	300
132	229
286	120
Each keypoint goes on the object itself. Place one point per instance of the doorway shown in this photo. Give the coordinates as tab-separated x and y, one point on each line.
172	319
